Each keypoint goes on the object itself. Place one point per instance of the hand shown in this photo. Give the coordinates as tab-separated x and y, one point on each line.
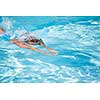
46	53
53	52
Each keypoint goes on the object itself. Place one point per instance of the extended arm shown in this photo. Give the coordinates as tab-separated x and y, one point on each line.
22	45
37	50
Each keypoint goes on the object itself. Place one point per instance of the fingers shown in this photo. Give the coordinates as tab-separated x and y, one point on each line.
54	52
46	53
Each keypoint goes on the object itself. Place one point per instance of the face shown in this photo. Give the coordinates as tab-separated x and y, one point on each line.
1	30
42	44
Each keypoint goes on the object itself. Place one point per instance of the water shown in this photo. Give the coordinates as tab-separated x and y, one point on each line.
76	39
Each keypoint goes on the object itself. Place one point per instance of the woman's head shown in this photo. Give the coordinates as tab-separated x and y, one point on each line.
1	30
35	42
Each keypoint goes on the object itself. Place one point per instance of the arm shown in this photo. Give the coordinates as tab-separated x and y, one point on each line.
50	50
37	50
22	45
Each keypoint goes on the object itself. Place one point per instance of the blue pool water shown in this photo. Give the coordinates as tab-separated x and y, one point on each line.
76	39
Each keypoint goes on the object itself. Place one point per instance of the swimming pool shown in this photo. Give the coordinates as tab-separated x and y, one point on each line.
76	39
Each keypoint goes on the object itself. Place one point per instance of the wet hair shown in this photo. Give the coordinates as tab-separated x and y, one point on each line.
35	41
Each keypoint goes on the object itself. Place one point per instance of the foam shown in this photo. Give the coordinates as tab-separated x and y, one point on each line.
7	23
65	56
75	37
96	62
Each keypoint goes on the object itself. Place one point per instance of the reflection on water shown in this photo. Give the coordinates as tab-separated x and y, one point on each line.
77	40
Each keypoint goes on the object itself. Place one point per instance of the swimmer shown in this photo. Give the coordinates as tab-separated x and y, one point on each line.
28	42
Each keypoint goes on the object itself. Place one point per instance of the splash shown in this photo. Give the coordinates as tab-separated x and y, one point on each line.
7	23
78	53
